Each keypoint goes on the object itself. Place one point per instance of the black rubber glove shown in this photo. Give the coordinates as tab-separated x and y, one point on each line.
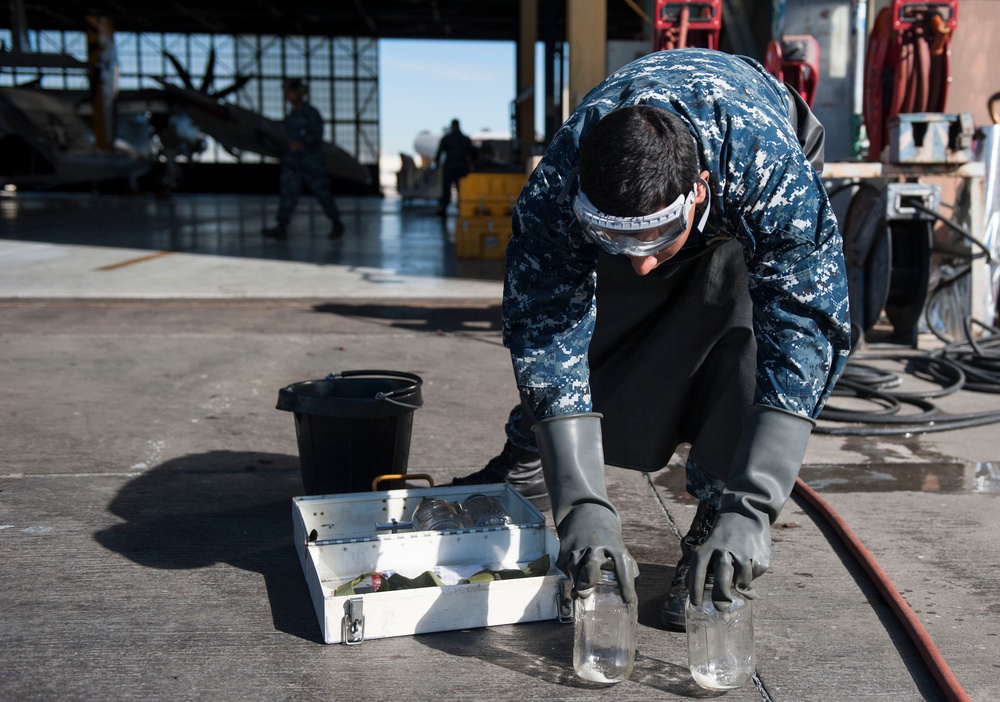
765	466
589	528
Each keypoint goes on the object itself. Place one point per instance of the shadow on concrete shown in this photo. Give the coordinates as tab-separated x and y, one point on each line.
426	319
651	588
219	507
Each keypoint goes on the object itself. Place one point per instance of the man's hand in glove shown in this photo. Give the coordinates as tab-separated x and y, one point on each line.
589	528
737	551
589	536
765	466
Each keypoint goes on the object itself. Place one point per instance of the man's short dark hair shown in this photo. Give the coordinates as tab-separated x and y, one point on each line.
637	160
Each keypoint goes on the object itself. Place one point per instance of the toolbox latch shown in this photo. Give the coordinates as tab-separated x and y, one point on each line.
352	626
564	601
394	526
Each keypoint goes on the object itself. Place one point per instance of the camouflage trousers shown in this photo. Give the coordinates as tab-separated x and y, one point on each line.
297	175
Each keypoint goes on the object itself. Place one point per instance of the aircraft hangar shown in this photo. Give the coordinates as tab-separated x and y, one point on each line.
156	533
173	98
240	55
169	100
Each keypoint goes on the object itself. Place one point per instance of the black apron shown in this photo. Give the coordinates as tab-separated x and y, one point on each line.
672	359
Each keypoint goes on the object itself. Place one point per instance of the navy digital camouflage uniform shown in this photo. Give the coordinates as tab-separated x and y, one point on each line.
752	310
305	167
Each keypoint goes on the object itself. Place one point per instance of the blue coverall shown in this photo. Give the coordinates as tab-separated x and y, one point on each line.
305	167
768	205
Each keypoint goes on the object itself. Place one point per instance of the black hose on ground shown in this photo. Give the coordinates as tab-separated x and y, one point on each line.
972	364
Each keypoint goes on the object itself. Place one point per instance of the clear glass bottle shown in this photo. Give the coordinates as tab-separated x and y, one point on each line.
720	642
605	632
434	514
484	511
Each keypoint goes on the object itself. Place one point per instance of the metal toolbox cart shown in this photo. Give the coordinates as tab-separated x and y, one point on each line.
341	537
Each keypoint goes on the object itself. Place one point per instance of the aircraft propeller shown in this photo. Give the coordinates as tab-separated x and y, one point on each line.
206	81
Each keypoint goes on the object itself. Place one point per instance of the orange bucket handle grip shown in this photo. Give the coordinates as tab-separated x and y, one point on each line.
401	476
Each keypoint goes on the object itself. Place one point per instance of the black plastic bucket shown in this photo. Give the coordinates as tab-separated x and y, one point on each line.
353	427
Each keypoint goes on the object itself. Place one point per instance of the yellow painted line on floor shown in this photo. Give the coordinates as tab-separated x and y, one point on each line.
129	262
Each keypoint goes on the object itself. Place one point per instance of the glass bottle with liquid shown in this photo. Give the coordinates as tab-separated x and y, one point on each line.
720	642
605	633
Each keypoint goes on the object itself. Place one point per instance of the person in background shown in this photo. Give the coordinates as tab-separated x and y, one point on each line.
303	164
457	153
675	276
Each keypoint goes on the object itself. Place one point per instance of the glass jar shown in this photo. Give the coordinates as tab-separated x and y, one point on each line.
484	511
720	642
605	632
435	514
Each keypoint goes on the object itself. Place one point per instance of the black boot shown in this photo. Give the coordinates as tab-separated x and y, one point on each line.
278	231
672	611
336	229
519	467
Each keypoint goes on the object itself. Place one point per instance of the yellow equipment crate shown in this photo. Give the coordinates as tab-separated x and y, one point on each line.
482	237
469	207
485	205
490	186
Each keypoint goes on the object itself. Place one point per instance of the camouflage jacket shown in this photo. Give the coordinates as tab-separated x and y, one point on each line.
306	125
765	194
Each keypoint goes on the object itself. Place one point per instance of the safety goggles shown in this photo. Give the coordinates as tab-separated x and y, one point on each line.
638	236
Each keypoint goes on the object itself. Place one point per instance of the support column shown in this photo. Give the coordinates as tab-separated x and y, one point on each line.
555	49
587	34
524	103
102	70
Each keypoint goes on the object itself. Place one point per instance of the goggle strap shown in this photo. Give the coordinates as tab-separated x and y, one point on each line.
708	206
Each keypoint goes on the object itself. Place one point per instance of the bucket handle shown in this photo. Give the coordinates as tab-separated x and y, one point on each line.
392	394
401	476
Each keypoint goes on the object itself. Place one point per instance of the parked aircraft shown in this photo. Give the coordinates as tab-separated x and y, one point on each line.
236	128
46	141
47	136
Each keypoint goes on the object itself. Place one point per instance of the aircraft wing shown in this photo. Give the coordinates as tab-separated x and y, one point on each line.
238	129
16	127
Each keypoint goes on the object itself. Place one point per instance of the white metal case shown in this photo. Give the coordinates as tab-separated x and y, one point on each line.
340	537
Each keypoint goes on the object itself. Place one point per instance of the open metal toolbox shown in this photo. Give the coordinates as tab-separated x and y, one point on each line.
339	537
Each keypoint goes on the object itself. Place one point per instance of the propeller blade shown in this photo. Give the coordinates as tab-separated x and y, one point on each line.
209	77
239	83
181	71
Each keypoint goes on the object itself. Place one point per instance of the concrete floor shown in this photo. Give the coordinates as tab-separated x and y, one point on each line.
146	483
212	247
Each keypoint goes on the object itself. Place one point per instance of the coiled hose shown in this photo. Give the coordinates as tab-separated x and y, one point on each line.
972	364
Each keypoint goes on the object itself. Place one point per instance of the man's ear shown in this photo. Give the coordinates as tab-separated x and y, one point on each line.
702	188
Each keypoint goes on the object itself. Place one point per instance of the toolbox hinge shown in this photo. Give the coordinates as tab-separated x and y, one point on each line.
352	626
